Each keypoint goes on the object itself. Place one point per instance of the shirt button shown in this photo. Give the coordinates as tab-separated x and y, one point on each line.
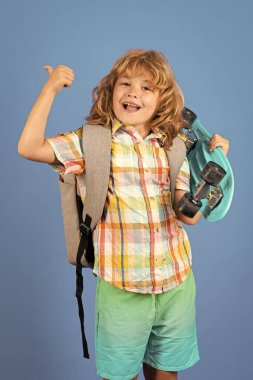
152	198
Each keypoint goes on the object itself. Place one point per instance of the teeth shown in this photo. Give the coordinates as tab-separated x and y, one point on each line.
131	104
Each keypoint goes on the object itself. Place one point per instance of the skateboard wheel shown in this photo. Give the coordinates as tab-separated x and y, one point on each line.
189	116
188	206
213	173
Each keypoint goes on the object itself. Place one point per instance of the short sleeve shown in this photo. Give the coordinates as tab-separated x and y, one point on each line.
183	179
68	150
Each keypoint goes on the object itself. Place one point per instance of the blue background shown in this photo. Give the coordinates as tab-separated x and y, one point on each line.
209	45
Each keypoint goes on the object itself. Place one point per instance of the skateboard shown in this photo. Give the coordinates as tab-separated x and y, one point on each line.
211	176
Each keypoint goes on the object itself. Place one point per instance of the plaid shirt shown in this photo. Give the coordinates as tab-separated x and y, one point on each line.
139	244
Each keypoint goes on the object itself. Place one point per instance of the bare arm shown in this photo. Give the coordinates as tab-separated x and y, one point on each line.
32	144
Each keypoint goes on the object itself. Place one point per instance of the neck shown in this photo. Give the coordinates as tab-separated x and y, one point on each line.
144	131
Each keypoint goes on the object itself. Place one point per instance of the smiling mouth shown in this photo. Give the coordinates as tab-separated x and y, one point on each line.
129	106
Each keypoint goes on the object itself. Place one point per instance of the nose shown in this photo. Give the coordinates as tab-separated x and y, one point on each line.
131	96
133	92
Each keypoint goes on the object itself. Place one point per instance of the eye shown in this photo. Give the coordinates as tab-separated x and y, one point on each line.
125	84
146	88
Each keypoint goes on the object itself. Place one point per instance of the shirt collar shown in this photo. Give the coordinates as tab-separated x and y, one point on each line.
116	124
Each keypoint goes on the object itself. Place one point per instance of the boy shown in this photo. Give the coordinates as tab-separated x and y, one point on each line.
145	297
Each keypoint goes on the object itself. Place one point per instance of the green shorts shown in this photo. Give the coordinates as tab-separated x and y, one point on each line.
132	328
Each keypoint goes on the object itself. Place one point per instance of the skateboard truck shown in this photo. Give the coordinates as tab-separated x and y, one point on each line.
190	140
208	189
214	197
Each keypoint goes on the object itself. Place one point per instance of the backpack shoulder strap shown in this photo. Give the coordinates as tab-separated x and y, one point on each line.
96	142
97	154
176	155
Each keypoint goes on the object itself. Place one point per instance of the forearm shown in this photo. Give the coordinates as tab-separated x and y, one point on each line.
33	134
187	220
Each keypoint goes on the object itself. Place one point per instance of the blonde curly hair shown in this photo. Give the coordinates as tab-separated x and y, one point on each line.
168	115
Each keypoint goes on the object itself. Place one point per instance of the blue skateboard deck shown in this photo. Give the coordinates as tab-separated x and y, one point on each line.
217	202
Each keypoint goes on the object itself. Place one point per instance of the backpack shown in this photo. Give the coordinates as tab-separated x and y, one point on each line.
80	219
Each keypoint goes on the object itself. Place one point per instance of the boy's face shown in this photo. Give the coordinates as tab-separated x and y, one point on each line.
135	100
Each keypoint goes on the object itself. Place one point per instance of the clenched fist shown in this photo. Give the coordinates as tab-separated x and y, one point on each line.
60	77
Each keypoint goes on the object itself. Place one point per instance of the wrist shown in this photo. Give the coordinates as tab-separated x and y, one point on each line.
48	90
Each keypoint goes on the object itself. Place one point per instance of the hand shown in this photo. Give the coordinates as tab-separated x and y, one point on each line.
217	140
60	77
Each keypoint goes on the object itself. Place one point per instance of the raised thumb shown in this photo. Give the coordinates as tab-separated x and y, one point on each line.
49	69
